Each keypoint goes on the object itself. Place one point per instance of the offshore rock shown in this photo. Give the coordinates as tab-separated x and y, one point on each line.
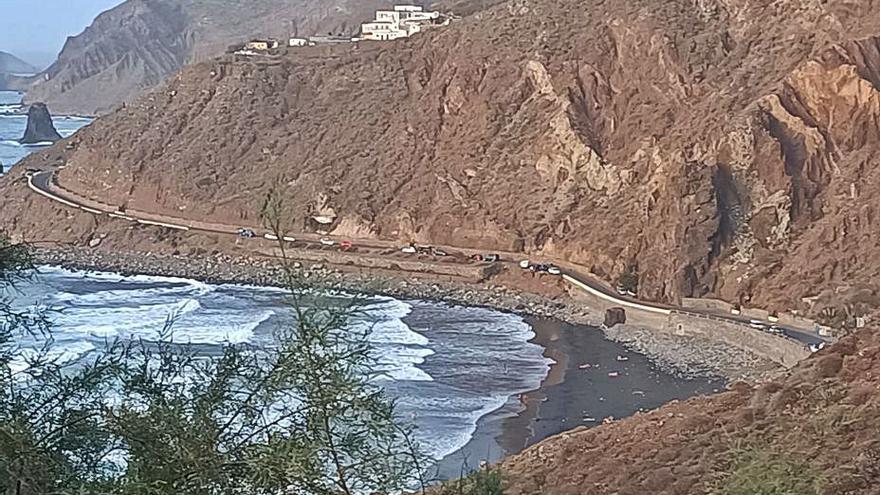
39	126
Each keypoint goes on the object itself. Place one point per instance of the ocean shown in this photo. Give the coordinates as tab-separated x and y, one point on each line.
447	367
13	124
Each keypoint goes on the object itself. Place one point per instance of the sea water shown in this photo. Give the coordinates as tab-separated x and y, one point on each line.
13	124
446	366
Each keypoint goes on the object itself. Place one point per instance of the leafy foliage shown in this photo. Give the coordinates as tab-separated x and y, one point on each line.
155	417
482	482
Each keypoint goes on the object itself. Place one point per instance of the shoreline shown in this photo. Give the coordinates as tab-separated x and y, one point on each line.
685	357
592	380
578	390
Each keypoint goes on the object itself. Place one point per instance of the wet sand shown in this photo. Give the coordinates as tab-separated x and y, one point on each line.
593	378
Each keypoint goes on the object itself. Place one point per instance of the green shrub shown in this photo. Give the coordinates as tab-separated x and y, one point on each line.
756	471
483	482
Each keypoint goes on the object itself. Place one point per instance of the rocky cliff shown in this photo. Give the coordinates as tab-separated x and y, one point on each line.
138	44
713	147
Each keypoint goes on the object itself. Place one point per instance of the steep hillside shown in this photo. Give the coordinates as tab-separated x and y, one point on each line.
814	432
141	42
724	147
12	70
10	64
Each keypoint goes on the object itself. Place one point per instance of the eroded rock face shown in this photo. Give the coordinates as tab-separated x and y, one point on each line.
40	128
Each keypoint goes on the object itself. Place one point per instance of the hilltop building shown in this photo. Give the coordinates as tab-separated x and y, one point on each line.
261	45
402	22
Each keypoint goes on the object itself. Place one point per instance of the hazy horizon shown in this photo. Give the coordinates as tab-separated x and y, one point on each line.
35	30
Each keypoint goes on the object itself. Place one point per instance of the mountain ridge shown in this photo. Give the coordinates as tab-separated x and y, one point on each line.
13	71
139	43
10	64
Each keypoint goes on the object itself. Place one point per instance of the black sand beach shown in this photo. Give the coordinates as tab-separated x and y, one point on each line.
593	378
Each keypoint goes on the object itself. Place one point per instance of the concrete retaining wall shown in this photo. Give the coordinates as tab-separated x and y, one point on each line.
778	349
706	304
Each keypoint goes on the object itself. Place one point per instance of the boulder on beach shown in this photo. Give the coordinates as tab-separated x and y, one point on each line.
39	126
613	316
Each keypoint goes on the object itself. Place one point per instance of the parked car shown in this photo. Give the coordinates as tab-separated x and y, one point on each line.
327	242
757	324
491	258
621	290
525	264
345	245
248	233
775	330
438	252
410	249
554	270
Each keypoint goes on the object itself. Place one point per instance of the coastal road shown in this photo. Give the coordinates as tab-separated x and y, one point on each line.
41	182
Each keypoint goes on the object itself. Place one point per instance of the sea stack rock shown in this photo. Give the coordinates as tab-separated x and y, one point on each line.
39	126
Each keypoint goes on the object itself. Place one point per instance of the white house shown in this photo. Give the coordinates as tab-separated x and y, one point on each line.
402	22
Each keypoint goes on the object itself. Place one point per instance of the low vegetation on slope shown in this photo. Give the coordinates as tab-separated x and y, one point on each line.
302	416
813	432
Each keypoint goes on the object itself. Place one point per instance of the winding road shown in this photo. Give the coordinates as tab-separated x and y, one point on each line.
41	182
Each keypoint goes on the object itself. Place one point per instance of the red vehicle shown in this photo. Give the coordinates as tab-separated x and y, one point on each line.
345	245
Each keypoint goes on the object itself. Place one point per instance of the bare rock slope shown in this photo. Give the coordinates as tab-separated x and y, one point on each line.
722	147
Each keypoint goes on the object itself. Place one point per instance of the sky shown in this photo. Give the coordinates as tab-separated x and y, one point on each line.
35	30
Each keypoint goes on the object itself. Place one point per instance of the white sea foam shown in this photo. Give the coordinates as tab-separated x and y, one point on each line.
63	353
482	357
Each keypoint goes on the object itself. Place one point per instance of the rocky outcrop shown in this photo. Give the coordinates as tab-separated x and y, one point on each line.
614	316
40	128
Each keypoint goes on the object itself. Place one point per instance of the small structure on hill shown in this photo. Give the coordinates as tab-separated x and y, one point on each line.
40	128
402	22
330	38
261	45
